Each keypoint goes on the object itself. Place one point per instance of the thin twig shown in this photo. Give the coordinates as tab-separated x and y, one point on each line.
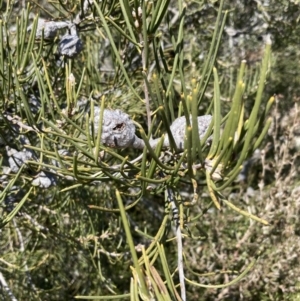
17	120
145	86
34	222
80	16
22	250
179	243
6	288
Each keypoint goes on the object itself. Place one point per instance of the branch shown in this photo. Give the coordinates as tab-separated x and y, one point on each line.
179	243
6	288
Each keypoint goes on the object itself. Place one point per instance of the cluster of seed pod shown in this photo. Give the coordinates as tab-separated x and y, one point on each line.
70	44
118	130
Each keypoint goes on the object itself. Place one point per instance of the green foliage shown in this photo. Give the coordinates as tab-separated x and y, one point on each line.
82	219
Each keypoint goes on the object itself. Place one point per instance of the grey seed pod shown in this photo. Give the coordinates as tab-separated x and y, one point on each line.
49	27
17	159
70	44
178	131
118	130
44	180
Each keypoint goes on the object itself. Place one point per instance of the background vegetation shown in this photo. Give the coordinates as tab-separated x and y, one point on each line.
62	234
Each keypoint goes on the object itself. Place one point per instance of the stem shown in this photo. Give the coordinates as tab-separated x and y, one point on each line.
6	288
22	250
145	86
179	243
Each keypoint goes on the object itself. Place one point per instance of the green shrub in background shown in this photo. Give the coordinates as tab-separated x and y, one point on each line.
82	216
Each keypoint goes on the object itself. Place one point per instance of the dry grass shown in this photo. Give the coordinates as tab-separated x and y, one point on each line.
271	191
